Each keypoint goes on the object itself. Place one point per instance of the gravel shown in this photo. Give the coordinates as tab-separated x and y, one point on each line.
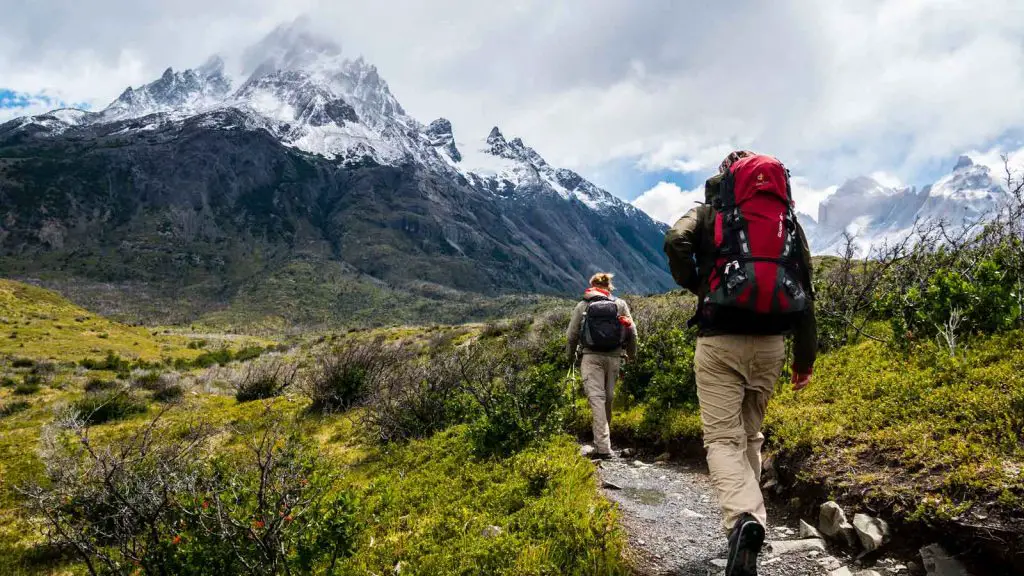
671	515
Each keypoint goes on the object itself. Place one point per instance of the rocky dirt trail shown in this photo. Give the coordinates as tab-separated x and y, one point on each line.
672	519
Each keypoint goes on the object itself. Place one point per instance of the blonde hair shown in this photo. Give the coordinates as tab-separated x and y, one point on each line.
602	280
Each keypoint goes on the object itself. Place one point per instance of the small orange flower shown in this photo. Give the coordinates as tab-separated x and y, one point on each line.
176	540
288	518
259	524
206	505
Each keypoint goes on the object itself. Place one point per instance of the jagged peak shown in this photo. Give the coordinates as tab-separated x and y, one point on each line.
495	136
214	66
964	161
168	74
440	127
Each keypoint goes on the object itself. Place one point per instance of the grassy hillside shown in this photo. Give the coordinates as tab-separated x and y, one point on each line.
38	323
452	496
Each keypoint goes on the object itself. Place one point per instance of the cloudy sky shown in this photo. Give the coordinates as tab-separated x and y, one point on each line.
644	97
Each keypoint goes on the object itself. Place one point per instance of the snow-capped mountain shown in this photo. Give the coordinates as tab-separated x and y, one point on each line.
304	151
875	214
302	88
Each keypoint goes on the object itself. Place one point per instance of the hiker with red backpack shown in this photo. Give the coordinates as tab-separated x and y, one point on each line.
746	258
601	333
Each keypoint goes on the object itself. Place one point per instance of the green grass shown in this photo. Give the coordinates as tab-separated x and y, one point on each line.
431	503
37	323
923	432
933	432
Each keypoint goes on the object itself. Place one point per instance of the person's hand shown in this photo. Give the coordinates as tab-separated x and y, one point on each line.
800	381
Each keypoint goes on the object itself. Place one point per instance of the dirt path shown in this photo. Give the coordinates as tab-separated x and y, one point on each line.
672	518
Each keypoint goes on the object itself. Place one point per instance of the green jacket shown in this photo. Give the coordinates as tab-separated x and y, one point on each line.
689	245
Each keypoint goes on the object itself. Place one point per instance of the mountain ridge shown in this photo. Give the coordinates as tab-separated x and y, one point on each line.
196	185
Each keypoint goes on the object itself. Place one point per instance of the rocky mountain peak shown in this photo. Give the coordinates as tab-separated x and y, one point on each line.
963	162
439	135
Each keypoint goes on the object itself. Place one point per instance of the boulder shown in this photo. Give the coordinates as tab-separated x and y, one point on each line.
808	531
779	547
844	571
938	562
491	532
833	524
873	532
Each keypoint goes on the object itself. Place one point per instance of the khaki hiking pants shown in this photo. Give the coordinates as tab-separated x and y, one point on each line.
599	374
736	376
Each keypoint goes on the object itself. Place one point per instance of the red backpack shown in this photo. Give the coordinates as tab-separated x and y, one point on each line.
757	254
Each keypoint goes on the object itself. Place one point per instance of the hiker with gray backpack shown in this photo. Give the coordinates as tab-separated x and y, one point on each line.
601	335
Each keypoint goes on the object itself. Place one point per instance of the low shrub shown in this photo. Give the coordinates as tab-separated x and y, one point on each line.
30	384
344	377
99	385
11	408
520	402
169	393
107	405
23	363
264	379
111	362
8	382
152	503
416	399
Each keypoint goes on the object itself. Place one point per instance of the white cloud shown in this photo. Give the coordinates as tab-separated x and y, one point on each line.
667	202
994	159
835	89
807	198
886	179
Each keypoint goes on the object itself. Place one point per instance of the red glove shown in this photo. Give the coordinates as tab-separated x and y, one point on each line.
801	379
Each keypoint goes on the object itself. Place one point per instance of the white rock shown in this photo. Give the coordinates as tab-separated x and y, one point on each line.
779	547
491	532
844	571
866	573
808	531
873	532
720	562
832	523
687	513
587	450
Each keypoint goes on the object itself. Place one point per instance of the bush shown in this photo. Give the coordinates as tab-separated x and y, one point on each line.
23	363
264	379
151	503
416	399
99	385
8	382
111	362
145	379
11	408
170	393
107	405
521	406
30	384
663	368
345	377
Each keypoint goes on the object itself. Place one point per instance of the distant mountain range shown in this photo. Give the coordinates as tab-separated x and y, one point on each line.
198	186
875	214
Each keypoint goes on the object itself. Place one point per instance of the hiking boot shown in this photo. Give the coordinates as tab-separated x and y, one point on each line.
602	456
745	541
